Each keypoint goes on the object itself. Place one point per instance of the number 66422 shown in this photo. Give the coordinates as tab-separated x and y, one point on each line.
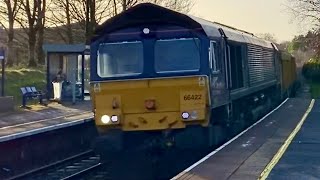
191	97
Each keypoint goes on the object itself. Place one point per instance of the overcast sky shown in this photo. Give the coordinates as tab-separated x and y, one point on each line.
256	16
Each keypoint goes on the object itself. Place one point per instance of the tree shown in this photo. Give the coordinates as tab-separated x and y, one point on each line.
8	13
40	29
268	37
59	11
305	11
85	15
283	46
303	47
126	4
27	21
75	20
183	6
31	18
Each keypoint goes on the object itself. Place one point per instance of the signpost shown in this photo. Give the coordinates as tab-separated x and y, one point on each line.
2	59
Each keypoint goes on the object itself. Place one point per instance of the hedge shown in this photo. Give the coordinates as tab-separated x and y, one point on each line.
311	69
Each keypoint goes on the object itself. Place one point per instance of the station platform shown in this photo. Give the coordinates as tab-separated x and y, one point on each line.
38	119
247	155
299	158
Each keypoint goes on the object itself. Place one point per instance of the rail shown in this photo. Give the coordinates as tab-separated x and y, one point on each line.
69	168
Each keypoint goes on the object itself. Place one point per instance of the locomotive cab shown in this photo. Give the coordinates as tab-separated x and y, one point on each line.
142	89
150	78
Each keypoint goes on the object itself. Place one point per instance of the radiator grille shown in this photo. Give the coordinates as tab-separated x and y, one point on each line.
261	65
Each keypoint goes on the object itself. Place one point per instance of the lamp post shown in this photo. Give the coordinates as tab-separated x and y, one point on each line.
2	59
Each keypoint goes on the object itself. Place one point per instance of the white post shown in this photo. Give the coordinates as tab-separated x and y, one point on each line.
73	83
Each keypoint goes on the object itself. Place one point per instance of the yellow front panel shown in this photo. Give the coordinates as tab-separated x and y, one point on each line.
193	99
151	120
171	96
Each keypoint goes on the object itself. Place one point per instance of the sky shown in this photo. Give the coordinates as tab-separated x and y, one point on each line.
255	16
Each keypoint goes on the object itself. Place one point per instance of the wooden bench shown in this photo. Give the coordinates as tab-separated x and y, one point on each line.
29	93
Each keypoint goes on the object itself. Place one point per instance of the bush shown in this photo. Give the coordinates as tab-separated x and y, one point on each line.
311	69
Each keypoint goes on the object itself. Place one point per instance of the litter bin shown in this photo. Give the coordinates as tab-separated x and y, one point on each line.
57	89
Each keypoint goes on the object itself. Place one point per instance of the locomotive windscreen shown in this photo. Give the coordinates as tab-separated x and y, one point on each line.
127	58
177	55
120	59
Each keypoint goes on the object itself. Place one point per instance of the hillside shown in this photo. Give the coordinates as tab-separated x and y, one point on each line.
52	35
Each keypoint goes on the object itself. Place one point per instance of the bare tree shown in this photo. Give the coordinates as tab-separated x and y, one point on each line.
90	19
32	20
305	11
27	19
8	13
268	36
84	15
40	28
183	6
72	16
59	16
125	4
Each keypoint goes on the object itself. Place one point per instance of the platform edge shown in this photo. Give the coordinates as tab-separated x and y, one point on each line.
43	129
265	173
226	144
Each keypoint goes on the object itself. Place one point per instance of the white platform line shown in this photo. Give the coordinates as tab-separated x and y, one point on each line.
44	120
42	130
281	151
225	144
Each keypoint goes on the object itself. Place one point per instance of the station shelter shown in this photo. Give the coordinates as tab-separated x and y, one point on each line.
67	71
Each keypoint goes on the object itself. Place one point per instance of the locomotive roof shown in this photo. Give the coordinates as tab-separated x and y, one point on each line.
147	12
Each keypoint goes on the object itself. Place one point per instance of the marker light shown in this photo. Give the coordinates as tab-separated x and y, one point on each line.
146	30
105	119
185	115
194	115
114	119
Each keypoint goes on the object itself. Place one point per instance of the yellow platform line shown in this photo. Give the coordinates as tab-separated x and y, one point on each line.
265	173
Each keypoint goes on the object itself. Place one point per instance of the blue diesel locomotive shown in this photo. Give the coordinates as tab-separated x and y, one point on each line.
163	78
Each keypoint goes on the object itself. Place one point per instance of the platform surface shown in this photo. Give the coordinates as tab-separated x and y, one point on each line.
40	119
301	160
247	156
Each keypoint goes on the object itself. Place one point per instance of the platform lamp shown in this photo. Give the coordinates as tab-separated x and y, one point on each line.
2	59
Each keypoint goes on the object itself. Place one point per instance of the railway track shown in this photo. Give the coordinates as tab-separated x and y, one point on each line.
87	165
82	166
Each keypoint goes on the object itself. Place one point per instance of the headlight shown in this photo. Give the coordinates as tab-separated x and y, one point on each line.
114	118
146	30
185	115
194	115
105	119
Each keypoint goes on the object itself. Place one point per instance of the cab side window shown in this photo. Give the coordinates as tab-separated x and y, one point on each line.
214	65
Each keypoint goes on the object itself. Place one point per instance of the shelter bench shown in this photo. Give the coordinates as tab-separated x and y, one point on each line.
29	93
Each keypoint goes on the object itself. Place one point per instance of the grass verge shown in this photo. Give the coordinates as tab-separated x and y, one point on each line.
16	78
